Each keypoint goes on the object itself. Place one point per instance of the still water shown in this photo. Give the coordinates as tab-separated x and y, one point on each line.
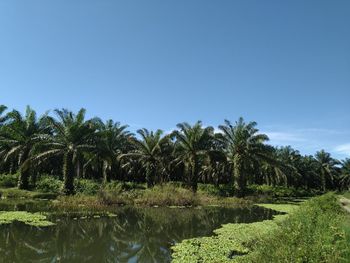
133	235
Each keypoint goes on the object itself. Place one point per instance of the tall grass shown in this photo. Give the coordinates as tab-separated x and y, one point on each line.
317	232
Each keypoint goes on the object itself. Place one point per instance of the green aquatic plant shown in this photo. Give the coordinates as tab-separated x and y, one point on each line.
32	219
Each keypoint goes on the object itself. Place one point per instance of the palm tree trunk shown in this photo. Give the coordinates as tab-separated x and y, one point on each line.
194	175
106	178
23	180
240	180
149	175
68	174
323	181
79	170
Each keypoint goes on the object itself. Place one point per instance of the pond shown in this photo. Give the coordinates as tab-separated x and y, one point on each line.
132	235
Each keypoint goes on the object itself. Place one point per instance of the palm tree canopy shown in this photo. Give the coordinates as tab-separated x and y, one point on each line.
22	133
193	140
244	139
71	133
112	140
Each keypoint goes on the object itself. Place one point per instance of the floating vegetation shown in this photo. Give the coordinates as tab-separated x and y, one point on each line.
32	219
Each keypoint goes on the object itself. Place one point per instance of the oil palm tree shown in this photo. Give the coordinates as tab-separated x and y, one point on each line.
345	173
112	140
148	151
72	136
3	149
18	139
327	168
3	108
192	145
244	146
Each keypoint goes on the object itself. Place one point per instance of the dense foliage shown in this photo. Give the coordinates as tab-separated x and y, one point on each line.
67	146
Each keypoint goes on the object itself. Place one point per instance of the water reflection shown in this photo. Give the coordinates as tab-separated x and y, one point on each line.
135	235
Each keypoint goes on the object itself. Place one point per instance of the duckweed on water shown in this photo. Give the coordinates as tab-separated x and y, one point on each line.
33	219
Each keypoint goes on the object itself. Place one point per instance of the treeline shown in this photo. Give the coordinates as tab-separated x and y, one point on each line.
68	146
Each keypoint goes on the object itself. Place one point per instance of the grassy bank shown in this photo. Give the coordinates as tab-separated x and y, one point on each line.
165	195
15	193
131	193
94	195
169	194
317	231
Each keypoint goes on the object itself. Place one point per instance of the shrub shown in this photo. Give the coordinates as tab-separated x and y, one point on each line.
166	195
278	191
85	186
115	197
124	186
223	190
49	184
119	193
8	180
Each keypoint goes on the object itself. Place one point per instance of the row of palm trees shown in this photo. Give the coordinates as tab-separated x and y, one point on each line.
70	146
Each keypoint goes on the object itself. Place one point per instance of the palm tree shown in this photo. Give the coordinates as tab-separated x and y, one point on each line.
244	146
327	168
3	108
192	145
289	160
149	151
345	173
113	140
3	150
19	138
72	136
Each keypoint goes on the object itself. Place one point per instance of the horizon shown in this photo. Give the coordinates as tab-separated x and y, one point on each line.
153	65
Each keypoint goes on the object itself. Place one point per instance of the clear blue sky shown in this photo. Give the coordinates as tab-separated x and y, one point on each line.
284	64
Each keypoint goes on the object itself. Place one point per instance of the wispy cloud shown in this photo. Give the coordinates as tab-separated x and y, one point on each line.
343	149
309	140
322	131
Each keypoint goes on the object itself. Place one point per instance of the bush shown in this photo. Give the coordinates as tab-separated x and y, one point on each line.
223	190
119	193
167	195
278	191
49	184
123	186
85	186
8	180
115	197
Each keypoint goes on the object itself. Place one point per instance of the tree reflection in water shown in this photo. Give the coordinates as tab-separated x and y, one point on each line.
135	235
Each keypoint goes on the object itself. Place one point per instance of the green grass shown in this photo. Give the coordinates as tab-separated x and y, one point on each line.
16	193
346	195
316	231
